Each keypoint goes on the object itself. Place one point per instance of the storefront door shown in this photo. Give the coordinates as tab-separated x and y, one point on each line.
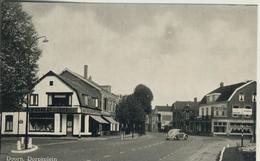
69	125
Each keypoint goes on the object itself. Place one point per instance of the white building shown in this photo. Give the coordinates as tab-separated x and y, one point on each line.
65	105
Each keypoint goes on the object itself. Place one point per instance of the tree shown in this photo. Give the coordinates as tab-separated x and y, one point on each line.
144	96
19	55
133	108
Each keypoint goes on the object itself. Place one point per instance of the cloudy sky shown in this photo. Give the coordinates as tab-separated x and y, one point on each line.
178	51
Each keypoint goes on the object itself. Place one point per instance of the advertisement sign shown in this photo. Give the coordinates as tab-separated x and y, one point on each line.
241	111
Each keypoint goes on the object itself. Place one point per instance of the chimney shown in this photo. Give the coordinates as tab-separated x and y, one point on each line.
195	99
221	84
86	71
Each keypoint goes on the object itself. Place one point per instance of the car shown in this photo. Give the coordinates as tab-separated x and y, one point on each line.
176	134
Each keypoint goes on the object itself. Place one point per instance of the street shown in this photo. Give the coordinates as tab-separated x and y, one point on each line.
151	147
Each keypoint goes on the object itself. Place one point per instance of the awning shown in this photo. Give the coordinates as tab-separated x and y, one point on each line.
99	119
111	120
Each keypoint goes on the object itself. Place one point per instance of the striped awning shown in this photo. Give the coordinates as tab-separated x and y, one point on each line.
99	119
111	120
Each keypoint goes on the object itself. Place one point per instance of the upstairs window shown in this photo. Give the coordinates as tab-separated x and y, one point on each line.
241	97
8	123
207	111
51	83
254	97
202	111
34	100
59	99
96	102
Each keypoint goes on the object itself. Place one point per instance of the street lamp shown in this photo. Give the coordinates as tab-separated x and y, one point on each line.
28	93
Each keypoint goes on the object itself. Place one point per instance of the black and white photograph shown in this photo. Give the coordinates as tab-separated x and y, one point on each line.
120	81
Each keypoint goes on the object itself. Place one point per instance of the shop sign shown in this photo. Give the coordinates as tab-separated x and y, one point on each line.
90	111
242	111
54	110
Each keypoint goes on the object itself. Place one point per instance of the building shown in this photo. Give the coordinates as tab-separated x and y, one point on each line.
164	117
229	110
183	115
67	104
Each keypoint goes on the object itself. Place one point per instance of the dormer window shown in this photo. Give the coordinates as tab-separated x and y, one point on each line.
254	97
212	97
241	97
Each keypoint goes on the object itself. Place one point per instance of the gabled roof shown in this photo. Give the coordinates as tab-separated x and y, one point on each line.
225	92
163	108
179	105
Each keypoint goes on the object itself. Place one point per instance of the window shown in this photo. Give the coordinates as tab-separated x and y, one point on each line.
8	123
60	122
41	122
96	102
51	83
248	107
254	97
34	100
86	99
59	99
217	113
235	115
207	111
105	104
241	97
202	111
82	123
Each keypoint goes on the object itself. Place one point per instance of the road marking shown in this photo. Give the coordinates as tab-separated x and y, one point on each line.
122	152
133	149
88	160
107	156
65	142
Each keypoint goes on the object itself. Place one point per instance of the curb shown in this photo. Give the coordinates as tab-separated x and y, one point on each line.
222	153
34	148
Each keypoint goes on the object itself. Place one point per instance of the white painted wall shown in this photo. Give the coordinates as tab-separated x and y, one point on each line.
58	86
22	116
16	115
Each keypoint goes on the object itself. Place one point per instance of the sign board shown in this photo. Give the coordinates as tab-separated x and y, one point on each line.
53	109
20	121
241	111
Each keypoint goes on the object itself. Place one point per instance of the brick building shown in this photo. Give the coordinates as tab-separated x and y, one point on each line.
229	110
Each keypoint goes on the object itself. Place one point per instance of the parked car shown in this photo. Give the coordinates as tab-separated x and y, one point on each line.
176	134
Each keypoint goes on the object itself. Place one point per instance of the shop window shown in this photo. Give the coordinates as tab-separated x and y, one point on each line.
254	97
241	97
34	100
8	123
41	122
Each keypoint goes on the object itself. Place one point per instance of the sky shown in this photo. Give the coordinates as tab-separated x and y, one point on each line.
178	51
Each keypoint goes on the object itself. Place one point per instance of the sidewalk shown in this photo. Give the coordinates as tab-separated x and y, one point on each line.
233	154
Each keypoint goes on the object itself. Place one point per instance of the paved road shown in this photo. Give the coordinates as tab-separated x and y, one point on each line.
152	147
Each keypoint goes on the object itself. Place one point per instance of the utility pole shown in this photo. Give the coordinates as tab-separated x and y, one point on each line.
1	108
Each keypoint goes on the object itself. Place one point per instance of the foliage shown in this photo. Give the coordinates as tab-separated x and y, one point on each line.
132	109
19	54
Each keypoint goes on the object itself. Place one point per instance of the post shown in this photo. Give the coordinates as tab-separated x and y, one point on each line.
242	136
26	124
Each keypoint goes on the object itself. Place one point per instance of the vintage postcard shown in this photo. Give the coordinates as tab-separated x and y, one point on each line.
121	81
